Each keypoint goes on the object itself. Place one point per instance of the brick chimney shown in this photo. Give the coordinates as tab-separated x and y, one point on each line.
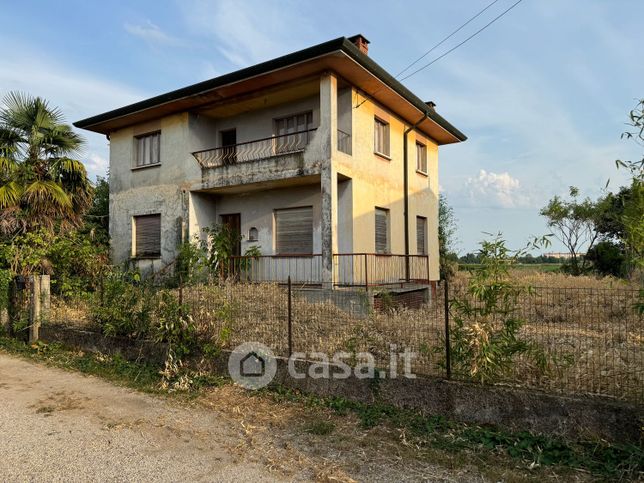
361	42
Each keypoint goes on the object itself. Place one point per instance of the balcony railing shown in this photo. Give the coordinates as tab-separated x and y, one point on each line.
344	142
254	150
350	269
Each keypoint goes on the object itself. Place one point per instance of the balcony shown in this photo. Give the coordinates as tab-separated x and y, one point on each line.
259	149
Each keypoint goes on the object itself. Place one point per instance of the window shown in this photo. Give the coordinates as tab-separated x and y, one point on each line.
294	231
382	230
421	158
285	128
148	149
147	236
381	137
421	235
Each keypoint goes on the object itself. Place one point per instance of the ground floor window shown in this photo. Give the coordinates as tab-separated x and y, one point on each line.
294	231
382	230
421	235
147	236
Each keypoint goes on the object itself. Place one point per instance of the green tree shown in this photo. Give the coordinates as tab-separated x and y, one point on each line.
573	222
632	216
41	185
446	238
97	219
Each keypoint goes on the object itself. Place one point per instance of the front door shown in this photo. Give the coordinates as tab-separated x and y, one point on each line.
229	145
233	222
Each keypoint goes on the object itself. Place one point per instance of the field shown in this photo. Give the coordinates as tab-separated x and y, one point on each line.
587	327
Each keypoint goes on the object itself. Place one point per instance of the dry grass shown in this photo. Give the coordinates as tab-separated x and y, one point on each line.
591	334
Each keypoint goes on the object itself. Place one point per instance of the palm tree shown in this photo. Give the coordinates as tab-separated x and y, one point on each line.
41	186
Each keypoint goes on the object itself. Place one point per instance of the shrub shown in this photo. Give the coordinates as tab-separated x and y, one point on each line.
485	334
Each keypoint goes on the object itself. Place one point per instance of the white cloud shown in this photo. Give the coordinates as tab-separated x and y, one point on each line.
152	34
77	93
96	164
248	32
500	190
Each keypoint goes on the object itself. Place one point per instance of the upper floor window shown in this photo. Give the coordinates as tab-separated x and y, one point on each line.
148	149
147	236
421	235
292	132
381	137
294	231
382	230
421	158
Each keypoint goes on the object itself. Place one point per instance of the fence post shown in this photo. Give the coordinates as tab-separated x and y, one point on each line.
366	272
34	313
448	361
290	318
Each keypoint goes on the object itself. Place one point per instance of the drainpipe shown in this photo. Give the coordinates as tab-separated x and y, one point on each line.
406	192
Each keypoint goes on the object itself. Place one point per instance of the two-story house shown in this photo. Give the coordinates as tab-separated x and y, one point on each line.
320	158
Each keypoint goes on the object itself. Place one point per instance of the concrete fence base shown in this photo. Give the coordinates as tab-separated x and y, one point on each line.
514	409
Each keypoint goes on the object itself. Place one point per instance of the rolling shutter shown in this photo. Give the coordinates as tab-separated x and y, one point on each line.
148	235
294	231
421	230
382	230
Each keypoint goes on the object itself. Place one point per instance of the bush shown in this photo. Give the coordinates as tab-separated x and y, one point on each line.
125	306
608	258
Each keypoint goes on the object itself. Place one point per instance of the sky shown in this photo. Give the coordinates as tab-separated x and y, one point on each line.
542	94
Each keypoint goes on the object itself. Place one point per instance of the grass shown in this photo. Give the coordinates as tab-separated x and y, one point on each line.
483	446
589	332
600	459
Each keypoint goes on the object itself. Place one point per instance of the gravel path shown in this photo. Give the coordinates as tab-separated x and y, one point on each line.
56	425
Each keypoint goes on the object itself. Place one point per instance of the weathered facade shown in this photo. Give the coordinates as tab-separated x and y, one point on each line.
321	130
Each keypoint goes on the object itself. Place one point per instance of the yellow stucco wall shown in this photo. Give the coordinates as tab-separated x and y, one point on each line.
378	182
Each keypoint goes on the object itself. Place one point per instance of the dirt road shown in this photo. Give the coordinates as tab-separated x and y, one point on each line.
58	425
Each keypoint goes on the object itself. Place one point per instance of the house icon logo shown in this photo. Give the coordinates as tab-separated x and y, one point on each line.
252	365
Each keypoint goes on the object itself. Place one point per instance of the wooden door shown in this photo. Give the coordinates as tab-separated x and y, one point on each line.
233	222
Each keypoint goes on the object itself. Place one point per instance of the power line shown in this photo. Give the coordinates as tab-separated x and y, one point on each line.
444	39
464	41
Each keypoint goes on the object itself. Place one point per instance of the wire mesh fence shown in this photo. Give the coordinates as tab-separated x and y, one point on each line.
579	340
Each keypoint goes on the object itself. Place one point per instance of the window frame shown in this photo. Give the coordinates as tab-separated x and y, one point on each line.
421	148
386	137
276	248
424	247
387	213
137	139
135	234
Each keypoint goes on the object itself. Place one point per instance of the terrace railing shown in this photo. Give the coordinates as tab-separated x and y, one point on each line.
344	142
254	150
350	269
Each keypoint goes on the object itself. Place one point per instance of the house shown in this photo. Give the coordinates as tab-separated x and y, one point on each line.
320	158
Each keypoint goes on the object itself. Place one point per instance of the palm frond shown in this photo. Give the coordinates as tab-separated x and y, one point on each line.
45	192
10	194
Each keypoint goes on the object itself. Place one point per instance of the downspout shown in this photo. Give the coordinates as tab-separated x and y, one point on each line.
406	192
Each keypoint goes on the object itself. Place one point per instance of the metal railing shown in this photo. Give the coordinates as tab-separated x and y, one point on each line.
344	142
303	269
375	269
254	150
350	269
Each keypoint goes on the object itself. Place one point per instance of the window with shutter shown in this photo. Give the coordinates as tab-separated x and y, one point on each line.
382	230
294	231
148	149
147	239
292	132
421	158
421	235
381	137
